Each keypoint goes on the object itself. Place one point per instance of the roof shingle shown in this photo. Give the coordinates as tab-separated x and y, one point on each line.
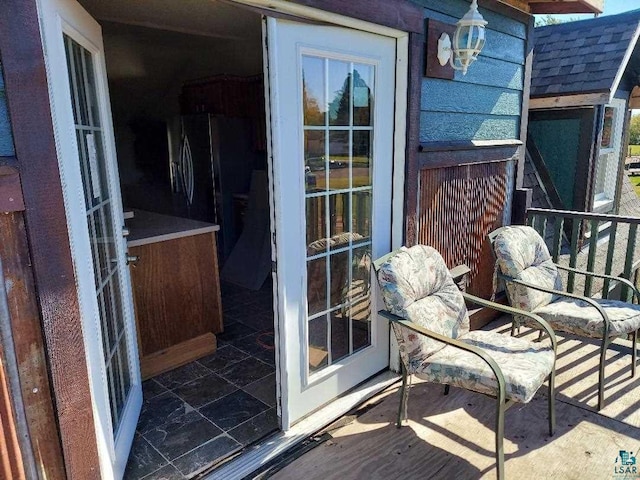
581	57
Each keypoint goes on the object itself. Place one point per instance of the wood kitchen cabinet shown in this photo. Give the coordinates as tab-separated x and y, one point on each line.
176	290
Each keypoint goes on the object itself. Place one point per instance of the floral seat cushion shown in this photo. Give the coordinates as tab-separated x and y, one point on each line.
416	285
522	254
580	318
525	365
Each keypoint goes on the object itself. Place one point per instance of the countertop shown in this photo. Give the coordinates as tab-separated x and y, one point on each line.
148	227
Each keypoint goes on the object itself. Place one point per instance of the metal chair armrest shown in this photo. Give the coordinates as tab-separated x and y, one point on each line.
560	293
627	282
454	343
515	311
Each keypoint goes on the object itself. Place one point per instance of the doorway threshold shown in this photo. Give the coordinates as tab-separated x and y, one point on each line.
247	463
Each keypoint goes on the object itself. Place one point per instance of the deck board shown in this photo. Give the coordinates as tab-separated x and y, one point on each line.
452	437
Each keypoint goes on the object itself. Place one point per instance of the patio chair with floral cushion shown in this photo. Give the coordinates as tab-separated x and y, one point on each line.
429	317
534	284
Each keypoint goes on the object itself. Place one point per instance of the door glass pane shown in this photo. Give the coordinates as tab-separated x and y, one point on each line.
339	89
338	219
338	156
362	158
317	285
316	214
315	160
313	94
101	227
339	159
318	351
362	94
339	335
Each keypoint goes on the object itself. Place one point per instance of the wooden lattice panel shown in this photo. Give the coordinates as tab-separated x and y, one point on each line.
457	208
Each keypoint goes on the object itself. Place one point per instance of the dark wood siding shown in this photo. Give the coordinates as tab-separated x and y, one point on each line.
10	456
458	207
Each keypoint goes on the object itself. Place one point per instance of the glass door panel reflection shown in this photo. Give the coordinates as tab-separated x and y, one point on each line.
338	127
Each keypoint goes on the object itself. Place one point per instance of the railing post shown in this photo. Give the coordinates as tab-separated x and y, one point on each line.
521	203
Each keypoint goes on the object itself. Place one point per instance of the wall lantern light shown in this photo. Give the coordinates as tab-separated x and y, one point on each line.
468	41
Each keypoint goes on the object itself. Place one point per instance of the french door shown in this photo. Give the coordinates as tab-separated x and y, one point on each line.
77	79
331	102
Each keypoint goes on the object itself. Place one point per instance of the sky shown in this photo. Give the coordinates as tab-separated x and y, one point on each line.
611	7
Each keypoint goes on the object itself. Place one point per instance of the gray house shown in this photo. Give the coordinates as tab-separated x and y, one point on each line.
584	76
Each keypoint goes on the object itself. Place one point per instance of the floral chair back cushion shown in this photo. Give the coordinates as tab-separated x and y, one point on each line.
521	253
416	285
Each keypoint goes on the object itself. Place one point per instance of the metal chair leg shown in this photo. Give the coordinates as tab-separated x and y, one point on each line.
404	398
603	354
634	353
500	438
552	403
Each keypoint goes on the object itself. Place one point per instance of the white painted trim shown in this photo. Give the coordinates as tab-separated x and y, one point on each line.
275	445
273	117
302	11
399	163
625	60
400	141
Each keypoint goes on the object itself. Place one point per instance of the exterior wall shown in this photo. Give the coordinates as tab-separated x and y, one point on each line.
558	143
23	365
6	139
566	142
484	104
465	191
11	465
34	246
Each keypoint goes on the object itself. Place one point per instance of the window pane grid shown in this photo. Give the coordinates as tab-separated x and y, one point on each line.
101	229
330	100
336	192
338	250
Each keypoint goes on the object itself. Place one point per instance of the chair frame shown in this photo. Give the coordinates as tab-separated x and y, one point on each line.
606	339
502	405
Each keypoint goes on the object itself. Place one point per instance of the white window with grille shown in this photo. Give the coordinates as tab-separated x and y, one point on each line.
608	163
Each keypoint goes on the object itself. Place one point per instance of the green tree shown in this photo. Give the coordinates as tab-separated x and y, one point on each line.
551	20
634	130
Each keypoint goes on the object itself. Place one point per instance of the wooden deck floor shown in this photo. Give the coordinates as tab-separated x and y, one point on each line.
452	437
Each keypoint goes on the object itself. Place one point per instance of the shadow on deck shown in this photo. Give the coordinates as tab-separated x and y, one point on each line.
451	437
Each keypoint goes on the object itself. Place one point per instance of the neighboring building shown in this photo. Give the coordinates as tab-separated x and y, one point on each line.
159	106
584	74
583	84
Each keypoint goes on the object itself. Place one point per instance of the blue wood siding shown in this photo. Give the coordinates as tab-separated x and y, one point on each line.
6	137
484	104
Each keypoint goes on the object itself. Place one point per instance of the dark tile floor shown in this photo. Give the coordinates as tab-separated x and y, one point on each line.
202	412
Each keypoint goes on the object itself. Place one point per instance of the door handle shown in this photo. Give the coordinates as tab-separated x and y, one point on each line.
133	260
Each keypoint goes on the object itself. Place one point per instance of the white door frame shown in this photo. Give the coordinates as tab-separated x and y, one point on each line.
399	153
81	27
